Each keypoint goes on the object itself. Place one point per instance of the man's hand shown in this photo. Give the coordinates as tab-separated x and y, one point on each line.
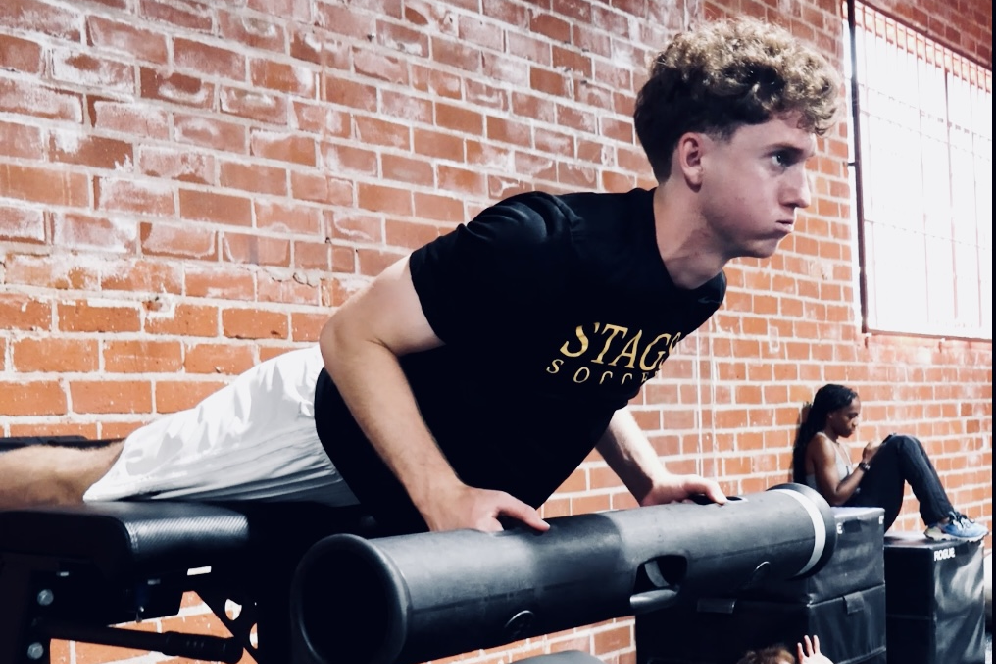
464	506
676	488
628	452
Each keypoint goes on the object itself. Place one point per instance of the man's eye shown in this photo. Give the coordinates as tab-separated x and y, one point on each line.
781	160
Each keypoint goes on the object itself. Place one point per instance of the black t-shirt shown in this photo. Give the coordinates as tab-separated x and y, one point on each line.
553	310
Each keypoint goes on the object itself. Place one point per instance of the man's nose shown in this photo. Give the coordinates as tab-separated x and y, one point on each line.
801	193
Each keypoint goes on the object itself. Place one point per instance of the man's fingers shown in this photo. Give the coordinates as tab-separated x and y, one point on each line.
487	511
716	493
708	488
489	525
525	513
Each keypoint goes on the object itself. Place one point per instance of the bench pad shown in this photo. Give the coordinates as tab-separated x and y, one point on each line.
127	538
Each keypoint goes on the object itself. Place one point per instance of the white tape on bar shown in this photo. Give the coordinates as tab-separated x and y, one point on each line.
819	530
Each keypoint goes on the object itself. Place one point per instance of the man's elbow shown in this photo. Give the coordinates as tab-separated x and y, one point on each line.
344	338
332	341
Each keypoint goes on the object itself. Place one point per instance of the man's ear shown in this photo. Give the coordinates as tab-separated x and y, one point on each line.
688	155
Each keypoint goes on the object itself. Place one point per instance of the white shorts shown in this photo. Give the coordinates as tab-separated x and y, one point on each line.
255	439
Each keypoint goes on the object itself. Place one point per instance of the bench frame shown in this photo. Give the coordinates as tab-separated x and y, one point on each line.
79	573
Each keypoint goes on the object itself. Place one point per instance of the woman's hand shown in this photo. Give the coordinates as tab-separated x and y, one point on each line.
810	654
869	452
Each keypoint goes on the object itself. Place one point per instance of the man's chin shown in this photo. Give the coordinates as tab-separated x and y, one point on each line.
761	250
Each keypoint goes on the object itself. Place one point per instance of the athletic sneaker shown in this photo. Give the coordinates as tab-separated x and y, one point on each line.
959	527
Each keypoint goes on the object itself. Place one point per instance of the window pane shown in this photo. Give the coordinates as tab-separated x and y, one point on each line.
925	117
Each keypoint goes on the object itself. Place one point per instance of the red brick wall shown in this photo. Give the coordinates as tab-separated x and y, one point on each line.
963	25
187	188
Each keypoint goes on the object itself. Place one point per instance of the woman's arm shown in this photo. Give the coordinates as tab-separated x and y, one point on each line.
834	490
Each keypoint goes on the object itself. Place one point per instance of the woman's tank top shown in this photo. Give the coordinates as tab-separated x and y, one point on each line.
843	464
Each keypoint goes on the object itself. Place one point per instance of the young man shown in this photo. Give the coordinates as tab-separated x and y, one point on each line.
468	381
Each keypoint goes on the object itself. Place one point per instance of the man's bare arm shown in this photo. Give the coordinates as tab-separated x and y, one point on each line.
361	344
627	451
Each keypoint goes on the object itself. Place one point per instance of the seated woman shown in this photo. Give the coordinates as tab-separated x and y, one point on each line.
821	461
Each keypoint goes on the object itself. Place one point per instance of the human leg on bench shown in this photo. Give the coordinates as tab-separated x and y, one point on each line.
254	439
52	475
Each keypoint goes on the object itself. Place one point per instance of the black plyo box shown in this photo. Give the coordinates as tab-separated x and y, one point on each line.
718	631
857	562
935	609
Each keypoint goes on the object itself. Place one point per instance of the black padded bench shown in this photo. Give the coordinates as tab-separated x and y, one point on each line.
75	573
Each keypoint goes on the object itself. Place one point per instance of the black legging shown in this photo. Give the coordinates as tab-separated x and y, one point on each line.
899	460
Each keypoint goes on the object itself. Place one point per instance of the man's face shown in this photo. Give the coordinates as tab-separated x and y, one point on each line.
753	183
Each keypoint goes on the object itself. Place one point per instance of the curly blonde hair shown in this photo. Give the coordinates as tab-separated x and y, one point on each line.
726	74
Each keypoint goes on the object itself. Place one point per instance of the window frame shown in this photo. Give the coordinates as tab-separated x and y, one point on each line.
974	77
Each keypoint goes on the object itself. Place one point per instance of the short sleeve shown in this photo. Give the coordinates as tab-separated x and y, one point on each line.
490	275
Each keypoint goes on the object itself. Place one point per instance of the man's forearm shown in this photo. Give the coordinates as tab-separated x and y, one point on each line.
374	387
627	451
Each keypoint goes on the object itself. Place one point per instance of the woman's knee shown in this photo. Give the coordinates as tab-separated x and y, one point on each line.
903	443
